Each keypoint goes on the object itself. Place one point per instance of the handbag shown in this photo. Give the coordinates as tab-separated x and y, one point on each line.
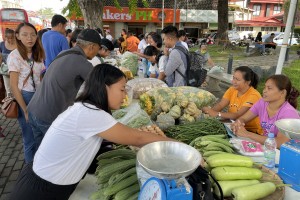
200	182
9	107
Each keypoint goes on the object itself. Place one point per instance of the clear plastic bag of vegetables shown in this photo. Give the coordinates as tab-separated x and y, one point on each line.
142	85
152	100
192	94
132	116
130	61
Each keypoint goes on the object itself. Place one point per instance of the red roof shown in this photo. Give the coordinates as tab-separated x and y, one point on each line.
261	21
267	1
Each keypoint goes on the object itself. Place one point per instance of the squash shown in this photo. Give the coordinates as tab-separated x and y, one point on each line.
164	121
165	106
191	109
175	112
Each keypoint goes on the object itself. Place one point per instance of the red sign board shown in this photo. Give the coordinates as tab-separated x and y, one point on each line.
112	14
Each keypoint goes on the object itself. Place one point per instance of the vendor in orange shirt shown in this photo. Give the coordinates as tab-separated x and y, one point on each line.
132	42
239	98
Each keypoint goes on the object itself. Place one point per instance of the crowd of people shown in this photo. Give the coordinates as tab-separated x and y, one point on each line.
65	94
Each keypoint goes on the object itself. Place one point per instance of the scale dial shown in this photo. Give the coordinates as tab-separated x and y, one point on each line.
153	189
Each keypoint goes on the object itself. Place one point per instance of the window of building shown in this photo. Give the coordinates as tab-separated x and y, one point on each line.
256	8
268	10
250	28
269	29
277	9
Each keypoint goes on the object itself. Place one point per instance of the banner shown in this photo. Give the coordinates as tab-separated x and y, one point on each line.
112	14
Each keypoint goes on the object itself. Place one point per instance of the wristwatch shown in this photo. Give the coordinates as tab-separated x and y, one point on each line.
219	115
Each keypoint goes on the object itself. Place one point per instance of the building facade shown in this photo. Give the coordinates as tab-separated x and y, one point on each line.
267	17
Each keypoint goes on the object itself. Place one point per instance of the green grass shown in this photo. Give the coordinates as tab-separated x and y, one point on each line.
219	54
293	72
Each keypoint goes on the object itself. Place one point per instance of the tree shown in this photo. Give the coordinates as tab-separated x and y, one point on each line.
92	10
286	7
46	13
222	22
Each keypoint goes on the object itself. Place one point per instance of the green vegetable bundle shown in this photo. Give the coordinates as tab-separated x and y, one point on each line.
116	175
188	132
130	61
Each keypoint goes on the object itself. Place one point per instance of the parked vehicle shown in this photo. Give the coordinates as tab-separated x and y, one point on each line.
278	39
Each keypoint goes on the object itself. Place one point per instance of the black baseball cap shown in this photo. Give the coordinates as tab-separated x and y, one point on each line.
107	44
90	35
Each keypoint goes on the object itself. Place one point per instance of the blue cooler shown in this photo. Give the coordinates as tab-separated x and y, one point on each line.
289	164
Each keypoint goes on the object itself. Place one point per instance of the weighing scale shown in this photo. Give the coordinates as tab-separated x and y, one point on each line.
289	162
162	189
168	163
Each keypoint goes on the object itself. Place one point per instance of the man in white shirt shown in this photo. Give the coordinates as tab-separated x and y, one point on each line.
182	38
108	35
143	44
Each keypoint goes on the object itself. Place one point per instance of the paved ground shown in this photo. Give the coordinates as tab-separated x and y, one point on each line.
11	155
11	149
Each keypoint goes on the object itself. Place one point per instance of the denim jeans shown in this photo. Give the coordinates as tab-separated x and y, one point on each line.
29	144
39	128
261	47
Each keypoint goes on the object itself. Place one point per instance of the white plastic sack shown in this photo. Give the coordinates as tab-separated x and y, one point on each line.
216	70
142	85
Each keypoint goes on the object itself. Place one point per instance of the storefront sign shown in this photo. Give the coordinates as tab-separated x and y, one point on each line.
112	14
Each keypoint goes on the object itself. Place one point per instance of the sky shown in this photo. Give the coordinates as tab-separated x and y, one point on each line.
34	5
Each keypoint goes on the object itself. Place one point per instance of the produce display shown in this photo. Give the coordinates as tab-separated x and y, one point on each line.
127	72
130	61
183	103
116	176
176	113
188	132
212	144
238	177
142	85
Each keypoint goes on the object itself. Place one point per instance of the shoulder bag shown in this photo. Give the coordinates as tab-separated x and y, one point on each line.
9	106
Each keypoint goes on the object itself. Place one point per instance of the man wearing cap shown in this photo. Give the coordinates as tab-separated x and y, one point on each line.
62	82
54	41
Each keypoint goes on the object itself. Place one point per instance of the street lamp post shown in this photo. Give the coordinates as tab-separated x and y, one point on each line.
163	15
174	20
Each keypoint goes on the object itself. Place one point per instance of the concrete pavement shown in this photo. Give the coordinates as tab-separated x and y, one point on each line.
11	148
11	155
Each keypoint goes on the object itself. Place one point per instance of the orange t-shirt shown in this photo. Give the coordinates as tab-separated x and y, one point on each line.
247	100
132	43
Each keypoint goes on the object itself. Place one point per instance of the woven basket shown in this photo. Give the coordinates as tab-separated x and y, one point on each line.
269	175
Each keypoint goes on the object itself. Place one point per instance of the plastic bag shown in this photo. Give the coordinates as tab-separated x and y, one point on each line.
130	61
142	85
216	70
134	116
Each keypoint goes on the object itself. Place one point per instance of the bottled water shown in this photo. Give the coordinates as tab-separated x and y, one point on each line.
270	151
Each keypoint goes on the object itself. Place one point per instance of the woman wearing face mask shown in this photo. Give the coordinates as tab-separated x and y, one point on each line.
206	57
25	65
279	101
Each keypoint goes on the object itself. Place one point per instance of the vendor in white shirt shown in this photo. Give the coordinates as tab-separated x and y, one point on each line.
75	137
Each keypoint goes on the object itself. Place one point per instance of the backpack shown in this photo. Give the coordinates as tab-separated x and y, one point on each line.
195	73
